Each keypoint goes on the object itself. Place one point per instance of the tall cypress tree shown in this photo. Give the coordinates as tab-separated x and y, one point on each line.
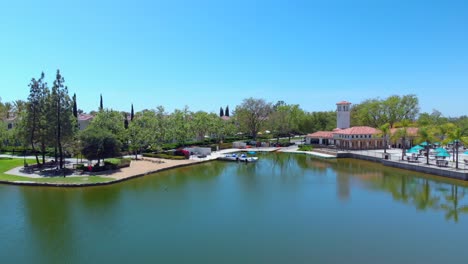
101	107
75	109
126	121
221	112
226	113
132	114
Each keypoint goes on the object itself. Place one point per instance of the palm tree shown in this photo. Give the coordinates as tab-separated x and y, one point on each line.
425	135
402	133
456	135
384	132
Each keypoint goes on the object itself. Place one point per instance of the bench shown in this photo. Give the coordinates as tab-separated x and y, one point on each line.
442	163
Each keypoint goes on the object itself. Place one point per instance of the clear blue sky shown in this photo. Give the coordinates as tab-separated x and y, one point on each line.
207	54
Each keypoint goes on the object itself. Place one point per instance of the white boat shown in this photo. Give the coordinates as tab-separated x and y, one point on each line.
245	158
235	157
230	157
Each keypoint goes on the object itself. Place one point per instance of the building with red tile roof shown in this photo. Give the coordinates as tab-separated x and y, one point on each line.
344	136
84	120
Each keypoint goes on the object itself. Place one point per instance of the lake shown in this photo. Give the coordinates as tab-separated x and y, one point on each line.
286	208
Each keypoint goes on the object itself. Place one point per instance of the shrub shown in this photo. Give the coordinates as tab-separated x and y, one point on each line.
305	147
163	156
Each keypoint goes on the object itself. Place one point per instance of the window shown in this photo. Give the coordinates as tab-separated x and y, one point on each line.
10	125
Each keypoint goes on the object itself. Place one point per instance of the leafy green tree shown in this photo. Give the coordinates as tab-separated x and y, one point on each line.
376	112
111	121
433	119
142	132
98	143
162	126
285	119
317	121
252	115
181	129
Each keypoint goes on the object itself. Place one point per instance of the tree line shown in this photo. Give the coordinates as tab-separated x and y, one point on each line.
48	122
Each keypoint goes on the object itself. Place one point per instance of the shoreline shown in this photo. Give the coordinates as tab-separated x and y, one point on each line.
147	166
136	170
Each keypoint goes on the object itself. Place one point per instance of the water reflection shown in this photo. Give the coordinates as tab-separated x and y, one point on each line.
423	191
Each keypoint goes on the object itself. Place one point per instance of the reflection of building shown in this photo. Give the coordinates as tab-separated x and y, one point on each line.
344	136
84	120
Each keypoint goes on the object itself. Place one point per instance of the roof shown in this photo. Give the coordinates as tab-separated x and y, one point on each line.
225	117
358	130
343	103
321	134
411	131
85	117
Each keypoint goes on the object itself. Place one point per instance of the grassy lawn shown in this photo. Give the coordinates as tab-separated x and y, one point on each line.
7	164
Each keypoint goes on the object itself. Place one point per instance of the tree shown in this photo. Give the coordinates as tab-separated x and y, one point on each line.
111	121
98	143
226	112
33	125
252	114
125	121
221	112
402	133
63	122
285	119
317	121
75	108
101	106
377	112
132	114
400	108
456	136
385	132
202	124
425	135
142	132
181	129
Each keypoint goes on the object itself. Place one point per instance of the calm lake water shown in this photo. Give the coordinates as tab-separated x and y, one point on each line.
284	209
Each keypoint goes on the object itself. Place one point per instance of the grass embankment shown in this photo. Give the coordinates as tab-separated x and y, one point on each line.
7	164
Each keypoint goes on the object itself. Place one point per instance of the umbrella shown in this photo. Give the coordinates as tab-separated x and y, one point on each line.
466	152
424	144
440	149
412	150
437	143
443	153
417	147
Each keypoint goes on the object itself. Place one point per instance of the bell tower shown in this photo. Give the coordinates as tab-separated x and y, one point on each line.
343	115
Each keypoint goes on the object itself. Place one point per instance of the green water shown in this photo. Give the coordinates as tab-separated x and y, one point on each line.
284	209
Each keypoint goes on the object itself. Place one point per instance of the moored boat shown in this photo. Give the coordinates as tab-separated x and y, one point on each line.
245	158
